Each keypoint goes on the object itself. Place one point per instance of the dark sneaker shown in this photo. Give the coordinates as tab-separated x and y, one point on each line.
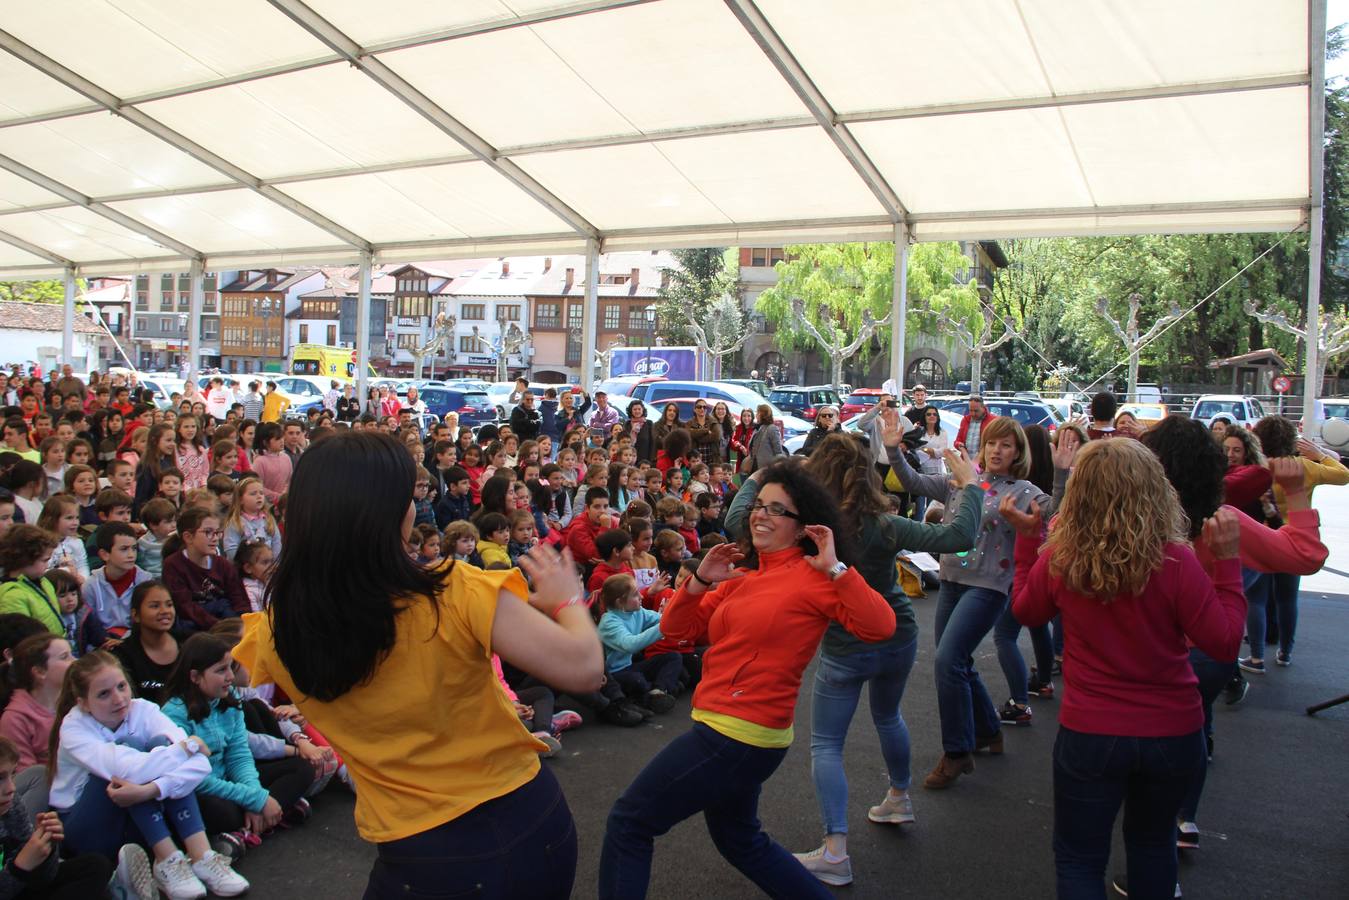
1058	666
300	813
658	701
622	714
1250	665
1187	836
230	844
1236	689
1283	659
1011	714
1042	689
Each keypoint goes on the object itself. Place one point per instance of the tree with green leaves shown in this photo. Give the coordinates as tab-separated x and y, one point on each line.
53	291
704	275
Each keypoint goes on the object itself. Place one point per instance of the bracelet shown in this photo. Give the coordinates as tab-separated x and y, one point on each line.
703	581
300	736
578	600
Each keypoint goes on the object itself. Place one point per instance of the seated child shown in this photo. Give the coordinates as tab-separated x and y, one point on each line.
627	629
617	551
33	678
170	487
688	528
523	536
670	550
25	551
462	538
429	554
107	593
709	507
492	547
159	517
84	632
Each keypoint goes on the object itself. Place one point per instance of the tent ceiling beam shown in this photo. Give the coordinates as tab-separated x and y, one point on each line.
34	249
791	70
323	30
14	167
78	83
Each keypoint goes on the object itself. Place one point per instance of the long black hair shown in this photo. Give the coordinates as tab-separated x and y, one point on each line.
344	573
197	654
815	505
1194	464
1041	458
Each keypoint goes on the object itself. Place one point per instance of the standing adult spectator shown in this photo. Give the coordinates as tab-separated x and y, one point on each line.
642	432
766	444
525	418
348	405
826	423
68	384
366	650
413	402
568	412
604	416
971	433
252	402
935	443
721	414
869	423
218	399
916	411
740	439
274	404
705	432
388	402
668	422
332	395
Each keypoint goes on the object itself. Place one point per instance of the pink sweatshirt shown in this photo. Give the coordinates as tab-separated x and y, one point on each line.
275	470
1126	663
28	724
1295	548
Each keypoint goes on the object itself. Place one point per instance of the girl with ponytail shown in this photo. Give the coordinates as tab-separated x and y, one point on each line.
31	683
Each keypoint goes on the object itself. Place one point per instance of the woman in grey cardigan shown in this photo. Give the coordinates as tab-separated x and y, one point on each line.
766	445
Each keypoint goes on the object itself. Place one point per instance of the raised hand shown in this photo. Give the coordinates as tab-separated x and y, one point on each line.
891	430
719	564
1064	451
1222	534
1288	473
554	578
962	470
1024	522
1309	450
825	558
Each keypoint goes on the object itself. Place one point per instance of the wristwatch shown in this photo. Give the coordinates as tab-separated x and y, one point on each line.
836	570
193	746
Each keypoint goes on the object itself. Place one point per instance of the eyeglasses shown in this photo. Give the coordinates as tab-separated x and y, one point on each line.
700	407
824	415
776	510
210	532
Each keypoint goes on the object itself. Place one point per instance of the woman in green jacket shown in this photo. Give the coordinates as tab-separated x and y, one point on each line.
845	465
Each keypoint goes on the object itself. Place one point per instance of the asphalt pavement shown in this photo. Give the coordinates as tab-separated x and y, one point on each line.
1274	819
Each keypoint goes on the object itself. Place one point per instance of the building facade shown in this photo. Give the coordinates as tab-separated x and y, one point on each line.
159	323
33	333
109	301
253	308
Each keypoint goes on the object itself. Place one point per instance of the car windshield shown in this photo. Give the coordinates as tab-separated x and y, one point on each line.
1207	409
477	399
787	398
1337	410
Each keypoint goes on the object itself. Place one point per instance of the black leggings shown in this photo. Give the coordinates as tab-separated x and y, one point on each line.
541	698
285	779
78	878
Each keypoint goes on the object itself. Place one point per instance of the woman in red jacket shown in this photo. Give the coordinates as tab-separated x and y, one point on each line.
1131	722
764	625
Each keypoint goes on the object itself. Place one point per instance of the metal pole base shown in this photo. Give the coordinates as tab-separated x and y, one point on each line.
1313	710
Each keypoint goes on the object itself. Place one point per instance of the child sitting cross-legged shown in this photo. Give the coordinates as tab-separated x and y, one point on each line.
616	549
627	629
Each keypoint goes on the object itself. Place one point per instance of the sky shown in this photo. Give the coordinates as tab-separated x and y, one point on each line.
1337	13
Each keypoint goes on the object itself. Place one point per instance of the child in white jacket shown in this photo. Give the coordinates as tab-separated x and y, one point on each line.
120	765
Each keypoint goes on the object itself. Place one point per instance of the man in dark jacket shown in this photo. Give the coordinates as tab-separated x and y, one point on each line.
525	418
826	423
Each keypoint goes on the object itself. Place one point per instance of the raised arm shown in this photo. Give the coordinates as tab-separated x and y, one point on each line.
552	636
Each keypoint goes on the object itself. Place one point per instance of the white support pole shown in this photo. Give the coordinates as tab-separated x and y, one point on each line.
363	330
899	308
589	313
1316	99
197	274
68	323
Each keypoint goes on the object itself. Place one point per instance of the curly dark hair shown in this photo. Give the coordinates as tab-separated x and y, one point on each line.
815	505
1278	436
678	443
23	545
1194	464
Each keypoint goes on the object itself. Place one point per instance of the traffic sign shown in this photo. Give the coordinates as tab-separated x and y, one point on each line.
1282	384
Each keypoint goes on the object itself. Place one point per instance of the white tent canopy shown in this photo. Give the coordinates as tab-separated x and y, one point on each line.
140	135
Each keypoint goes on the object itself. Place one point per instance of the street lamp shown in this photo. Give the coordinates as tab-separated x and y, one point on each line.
652	323
182	326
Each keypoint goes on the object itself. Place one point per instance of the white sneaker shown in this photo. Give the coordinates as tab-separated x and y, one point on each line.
133	873
215	872
893	811
174	876
826	870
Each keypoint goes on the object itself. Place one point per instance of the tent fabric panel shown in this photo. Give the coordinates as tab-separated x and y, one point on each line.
1195	222
226	221
321	119
24	91
132	47
1175	149
369	23
435	202
99	154
18	192
14	256
77	234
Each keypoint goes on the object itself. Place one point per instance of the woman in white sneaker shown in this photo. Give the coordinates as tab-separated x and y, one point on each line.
121	771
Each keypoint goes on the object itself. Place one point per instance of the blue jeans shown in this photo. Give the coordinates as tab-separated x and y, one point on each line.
1013	665
1259	592
838	685
97	825
1093	775
964	616
1213	677
1285	590
521	844
701	771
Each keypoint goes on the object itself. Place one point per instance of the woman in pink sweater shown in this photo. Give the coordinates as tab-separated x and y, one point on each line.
1118	567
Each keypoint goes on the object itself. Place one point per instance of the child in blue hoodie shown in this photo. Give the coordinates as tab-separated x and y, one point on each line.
627	629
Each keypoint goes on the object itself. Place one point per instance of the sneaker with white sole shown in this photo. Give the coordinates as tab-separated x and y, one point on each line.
134	874
1187	836
553	744
828	871
893	810
1283	659
215	872
175	878
565	720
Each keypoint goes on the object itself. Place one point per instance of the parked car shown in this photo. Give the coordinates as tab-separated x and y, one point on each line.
757	385
1067	409
622	385
950	423
1025	412
1335	408
858	402
655	393
1147	414
1235	409
804	401
473	407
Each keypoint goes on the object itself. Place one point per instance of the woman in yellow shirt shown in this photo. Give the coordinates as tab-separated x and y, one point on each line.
393	663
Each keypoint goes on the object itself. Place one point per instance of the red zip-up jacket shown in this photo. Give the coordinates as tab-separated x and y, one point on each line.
765	628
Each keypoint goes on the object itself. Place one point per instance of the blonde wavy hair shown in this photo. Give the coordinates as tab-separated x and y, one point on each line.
1001	427
1117	517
